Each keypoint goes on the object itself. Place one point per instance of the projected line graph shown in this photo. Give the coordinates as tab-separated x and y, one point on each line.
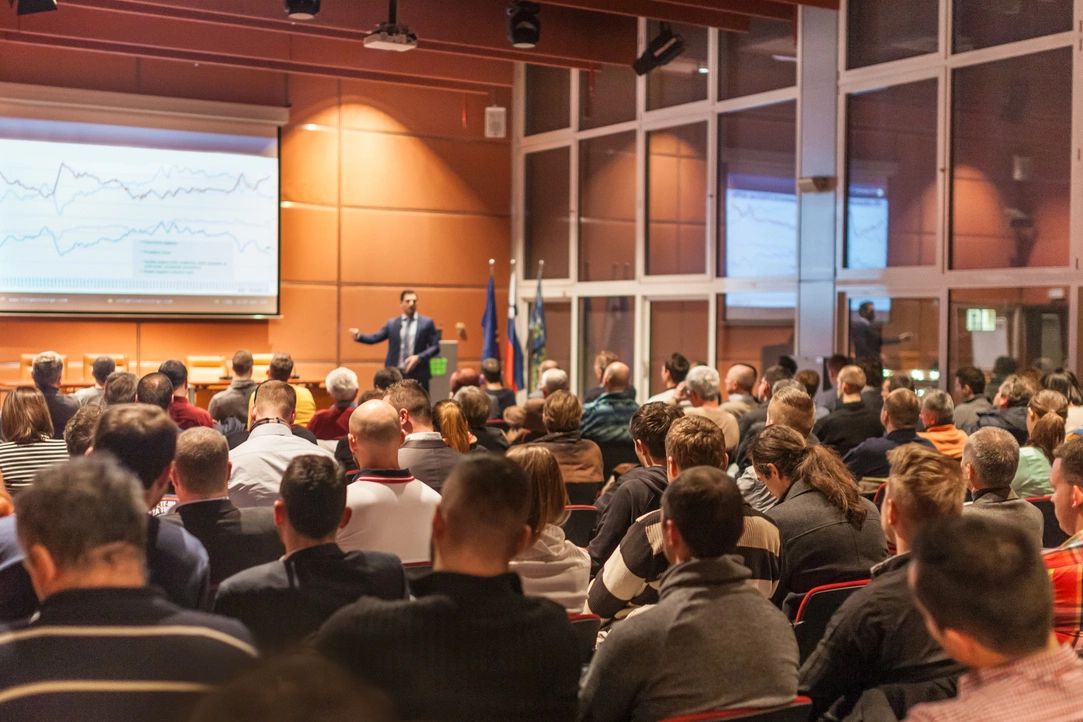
761	233
136	220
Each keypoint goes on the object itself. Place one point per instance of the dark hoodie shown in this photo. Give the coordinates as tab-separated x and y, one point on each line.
640	491
1012	419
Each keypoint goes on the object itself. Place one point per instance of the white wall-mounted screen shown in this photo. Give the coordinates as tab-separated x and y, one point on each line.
114	219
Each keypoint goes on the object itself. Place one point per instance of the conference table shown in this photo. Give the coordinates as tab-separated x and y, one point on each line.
199	393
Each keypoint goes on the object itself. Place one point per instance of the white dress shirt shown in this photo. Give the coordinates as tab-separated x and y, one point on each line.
258	464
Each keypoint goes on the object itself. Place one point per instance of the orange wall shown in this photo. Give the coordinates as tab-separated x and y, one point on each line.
383	187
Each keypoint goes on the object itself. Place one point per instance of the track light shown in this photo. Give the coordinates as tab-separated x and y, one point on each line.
302	9
29	7
663	49
524	27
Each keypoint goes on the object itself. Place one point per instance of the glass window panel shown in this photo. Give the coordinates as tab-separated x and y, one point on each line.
607	207
558	336
676	206
677	327
684	79
902	334
606	96
878	31
548	99
891	195
755	328
1003	330
606	324
982	23
1011	162
764	58
757	205
546	212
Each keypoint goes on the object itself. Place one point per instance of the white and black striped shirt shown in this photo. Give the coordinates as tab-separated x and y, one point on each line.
19	462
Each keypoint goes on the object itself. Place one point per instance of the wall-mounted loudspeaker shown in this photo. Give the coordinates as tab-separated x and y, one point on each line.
496	122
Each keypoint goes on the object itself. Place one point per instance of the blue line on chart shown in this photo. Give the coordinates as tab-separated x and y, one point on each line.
167	226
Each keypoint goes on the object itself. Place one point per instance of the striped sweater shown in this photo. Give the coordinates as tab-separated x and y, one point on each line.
19	462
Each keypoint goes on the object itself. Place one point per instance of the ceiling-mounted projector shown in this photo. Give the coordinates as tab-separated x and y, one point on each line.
391	35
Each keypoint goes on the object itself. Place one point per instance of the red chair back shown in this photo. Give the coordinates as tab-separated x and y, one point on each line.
795	711
579	525
817	607
586	628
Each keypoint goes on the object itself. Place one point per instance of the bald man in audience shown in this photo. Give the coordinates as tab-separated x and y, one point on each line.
471	646
258	463
990	459
738	385
235	539
155	389
605	419
938	419
390	510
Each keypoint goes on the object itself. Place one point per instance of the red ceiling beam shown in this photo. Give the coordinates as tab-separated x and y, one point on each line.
659	11
768	9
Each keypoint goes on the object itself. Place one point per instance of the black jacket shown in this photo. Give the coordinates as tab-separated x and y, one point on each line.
1012	419
235	539
639	491
468	648
284	601
847	426
877	640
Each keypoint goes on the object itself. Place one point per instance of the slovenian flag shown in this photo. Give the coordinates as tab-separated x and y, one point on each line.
513	352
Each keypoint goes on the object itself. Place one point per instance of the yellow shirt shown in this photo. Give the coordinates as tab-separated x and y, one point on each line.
305	409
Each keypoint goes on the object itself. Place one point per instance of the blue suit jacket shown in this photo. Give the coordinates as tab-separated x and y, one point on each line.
426	344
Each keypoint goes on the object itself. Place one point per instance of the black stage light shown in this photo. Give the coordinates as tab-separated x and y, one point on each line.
302	9
664	48
524	27
29	7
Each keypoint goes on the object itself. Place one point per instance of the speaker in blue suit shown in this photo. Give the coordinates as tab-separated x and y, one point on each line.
412	339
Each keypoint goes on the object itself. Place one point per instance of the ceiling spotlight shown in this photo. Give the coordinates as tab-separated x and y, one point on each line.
29	7
524	27
302	9
663	49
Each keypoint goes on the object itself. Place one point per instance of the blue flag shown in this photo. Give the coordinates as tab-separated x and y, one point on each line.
490	348
537	331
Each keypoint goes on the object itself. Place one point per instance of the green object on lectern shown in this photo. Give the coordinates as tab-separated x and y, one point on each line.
438	366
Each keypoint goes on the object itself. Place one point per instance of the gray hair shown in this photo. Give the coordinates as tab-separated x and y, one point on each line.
788	384
1016	389
554	380
940	405
47	368
341	383
703	381
81	509
994	454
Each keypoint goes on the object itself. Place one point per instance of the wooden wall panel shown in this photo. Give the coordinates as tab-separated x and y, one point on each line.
309	243
211	82
310	165
67	68
71	338
415	111
308	328
314	100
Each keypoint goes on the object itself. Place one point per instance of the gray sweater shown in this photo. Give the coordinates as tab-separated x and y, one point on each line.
711	642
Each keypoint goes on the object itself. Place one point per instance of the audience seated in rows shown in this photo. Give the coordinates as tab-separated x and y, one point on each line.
674	371
738	385
639	490
968	387
1066	384
99	371
1065	563
711	641
385	378
470	646
1009	408
701	391
1046	414
286	599
752	430
551	380
543	367
259	462
494	386
46	370
424	451
186	414
989	462
155	389
390	510
281	369
899	417
580	459
830	533
235	539
851	421
449	421
551	567
631	576
29	442
876	650
232	402
144	439
938	420
828	397
982	589
105	645
333	423
750	421
790	407
601	362
79	433
476	406
605	419
120	388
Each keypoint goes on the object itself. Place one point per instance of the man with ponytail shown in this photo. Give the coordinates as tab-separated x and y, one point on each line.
876	658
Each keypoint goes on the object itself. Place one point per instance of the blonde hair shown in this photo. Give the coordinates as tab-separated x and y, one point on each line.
448	419
923	484
548	495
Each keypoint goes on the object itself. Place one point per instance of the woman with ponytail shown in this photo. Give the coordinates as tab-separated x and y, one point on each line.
1047	413
830	533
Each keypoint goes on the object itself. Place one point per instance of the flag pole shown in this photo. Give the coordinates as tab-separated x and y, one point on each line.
492	266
